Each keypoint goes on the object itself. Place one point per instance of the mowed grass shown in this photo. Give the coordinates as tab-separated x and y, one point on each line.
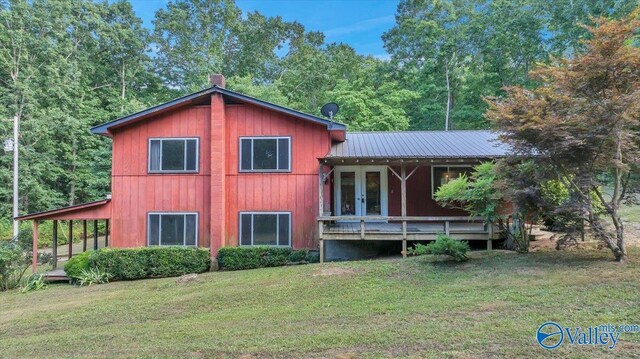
490	306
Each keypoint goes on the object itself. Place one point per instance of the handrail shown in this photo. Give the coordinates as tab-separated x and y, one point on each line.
399	218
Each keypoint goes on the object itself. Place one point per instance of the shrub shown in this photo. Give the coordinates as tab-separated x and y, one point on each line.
91	276
137	263
35	282
443	245
14	261
237	258
78	263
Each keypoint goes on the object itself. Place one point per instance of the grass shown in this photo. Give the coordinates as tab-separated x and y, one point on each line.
490	306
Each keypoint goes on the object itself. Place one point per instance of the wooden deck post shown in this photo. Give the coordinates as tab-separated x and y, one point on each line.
34	260
321	251
84	235
54	244
403	191
106	233
95	234
70	244
490	241
362	229
447	228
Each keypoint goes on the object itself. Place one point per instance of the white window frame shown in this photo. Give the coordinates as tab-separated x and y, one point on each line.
184	235
252	213
162	139
252	138
447	167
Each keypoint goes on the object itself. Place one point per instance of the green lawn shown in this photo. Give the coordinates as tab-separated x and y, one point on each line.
490	306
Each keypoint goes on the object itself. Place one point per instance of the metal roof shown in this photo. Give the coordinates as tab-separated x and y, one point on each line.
185	100
52	213
420	144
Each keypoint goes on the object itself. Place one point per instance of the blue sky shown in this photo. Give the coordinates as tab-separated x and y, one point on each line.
359	23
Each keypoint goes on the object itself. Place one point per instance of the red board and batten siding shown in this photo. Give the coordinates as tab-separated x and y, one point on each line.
219	192
295	191
135	192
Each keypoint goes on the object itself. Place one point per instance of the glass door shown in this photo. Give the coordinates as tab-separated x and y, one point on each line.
349	197
360	191
372	193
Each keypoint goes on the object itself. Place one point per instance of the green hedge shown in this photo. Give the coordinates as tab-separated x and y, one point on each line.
237	258
77	264
138	263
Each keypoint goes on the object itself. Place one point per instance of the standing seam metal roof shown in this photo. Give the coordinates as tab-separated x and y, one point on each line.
420	144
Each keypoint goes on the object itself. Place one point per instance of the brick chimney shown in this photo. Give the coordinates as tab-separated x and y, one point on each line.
217	80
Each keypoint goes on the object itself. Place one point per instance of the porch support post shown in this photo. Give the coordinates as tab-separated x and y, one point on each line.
70	244
321	209
84	235
106	233
34	260
490	241
54	244
403	191
321	190
95	234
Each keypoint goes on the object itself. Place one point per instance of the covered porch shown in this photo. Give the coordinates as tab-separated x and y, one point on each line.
88	215
379	186
392	200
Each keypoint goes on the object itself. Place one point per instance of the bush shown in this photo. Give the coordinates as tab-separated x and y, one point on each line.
238	258
78	263
91	276
443	245
137	263
35	282
14	261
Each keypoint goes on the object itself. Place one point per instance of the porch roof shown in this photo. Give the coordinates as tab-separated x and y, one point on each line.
90	211
419	145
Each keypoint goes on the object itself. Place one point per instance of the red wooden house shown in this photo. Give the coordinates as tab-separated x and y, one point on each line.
217	168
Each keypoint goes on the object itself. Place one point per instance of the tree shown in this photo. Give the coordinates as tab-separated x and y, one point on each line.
481	194
583	121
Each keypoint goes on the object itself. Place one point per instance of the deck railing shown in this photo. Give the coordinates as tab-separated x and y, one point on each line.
342	231
446	221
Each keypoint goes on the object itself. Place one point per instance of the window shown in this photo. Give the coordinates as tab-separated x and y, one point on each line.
444	174
265	229
173	155
265	154
172	229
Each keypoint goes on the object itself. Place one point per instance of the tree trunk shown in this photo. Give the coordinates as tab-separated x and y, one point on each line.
446	120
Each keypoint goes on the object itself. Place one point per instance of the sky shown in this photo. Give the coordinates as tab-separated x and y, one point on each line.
359	23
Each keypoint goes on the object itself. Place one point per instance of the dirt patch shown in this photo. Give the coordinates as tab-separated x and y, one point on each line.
324	272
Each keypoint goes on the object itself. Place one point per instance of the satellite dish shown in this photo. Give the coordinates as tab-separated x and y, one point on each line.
330	110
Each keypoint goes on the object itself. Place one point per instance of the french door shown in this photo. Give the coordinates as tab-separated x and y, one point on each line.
360	191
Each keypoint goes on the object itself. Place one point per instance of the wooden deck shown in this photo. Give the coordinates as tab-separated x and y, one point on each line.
416	229
56	275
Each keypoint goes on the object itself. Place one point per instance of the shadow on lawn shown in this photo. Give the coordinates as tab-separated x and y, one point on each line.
548	260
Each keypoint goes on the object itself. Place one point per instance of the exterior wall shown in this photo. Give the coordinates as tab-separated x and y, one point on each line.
295	192
419	199
135	192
